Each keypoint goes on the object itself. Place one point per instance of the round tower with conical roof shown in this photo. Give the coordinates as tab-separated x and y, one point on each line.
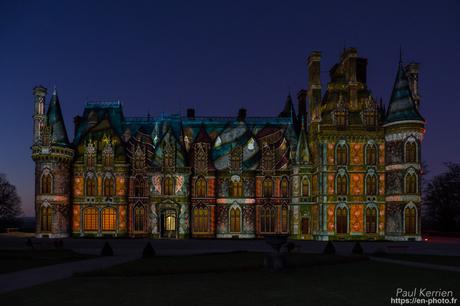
53	155
404	130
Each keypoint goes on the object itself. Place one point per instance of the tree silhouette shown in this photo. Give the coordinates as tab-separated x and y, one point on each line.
442	200
10	204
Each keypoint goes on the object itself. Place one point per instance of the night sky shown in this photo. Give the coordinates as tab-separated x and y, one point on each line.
216	56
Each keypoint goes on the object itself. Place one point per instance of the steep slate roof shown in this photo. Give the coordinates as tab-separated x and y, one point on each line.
402	106
56	122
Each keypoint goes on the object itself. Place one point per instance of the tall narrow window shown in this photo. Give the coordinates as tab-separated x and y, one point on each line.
109	219
109	187
371	155
410	217
411	183
139	218
371	220
305	226
305	187
201	157
268	188
200	187
90	155
46	183
371	184
237	189
267	158
91	186
235	215
200	219
46	218
235	159
341	220
341	155
90	219
168	186
411	152
284	219
139	158
341	118
284	187
370	118
107	156
267	219
139	186
168	157
342	185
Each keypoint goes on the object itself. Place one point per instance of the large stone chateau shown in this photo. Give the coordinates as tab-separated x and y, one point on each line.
341	166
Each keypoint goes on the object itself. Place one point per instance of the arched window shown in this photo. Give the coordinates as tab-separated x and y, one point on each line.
371	155
410	219
109	187
305	187
46	218
411	152
411	183
235	216
267	158
107	156
371	220
284	219
305	226
341	118
90	219
341	181
139	218
235	159
109	219
91	186
46	183
168	186
200	187
371	184
139	186
341	220
200	219
267	219
341	155
236	189
268	187
284	187
168	157
370	118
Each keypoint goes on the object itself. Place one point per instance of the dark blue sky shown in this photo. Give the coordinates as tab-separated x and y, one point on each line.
215	56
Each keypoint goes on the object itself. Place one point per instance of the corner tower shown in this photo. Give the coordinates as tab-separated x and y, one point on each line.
52	154
404	129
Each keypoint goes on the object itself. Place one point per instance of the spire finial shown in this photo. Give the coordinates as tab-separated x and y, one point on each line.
54	90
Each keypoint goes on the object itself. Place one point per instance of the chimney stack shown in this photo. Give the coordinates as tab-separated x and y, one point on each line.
190	113
314	86
241	114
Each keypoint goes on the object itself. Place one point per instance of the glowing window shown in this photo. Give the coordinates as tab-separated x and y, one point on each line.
91	186
109	187
46	218
341	220
90	220
200	219
138	218
237	189
284	187
284	219
371	220
268	187
267	219
168	186
235	215
109	219
46	183
410	215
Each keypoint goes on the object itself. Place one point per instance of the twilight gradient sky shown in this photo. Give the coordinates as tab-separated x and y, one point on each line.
216	56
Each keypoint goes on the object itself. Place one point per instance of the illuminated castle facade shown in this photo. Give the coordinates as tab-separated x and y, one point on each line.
345	168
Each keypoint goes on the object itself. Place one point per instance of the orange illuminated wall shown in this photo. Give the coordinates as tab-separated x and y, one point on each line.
314	187
78	186
382	217
121	186
356	153
356	183
382	184
99	185
211	186
76	218
330	154
356	218
122	218
330	217
331	183
382	154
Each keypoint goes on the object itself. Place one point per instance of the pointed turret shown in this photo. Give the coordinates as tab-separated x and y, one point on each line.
302	152
56	121
288	109
402	107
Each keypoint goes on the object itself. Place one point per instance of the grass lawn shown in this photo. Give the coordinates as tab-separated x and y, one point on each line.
15	260
236	279
429	259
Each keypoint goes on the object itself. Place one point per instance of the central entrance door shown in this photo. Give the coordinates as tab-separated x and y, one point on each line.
169	223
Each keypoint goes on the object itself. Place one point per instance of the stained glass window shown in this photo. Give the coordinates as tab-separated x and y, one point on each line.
109	219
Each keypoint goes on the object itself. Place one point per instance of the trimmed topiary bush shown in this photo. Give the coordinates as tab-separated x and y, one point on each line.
357	249
107	250
329	249
148	251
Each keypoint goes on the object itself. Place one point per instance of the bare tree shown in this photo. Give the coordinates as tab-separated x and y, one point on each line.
442	200
10	203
